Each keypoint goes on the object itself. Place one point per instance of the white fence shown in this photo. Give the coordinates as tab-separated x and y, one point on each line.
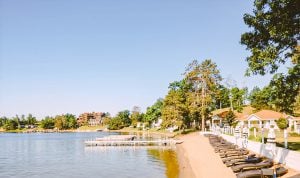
288	157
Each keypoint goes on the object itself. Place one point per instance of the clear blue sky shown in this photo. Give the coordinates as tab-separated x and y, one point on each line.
60	56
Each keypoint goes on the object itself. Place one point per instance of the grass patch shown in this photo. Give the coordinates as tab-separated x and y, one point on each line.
295	146
256	139
293	139
294	134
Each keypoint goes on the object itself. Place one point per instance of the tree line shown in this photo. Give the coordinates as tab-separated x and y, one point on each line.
61	122
18	122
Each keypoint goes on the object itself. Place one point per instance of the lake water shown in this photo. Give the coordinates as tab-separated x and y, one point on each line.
65	155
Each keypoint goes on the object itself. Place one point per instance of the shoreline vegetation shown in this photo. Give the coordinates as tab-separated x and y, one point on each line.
102	129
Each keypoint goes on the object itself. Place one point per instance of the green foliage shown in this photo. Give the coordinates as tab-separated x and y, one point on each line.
221	97
136	115
252	129
282	123
280	94
115	124
16	119
59	122
256	139
17	122
274	39
275	32
174	109
230	118
260	99
285	89
297	104
106	120
30	120
238	98
10	125
66	121
47	123
3	120
153	112
294	134
204	79
195	96
120	121
125	117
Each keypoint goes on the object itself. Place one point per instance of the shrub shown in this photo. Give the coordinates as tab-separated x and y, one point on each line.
230	119
282	123
115	124
252	129
10	125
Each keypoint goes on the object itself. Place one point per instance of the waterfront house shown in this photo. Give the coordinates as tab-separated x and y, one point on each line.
91	119
263	119
219	115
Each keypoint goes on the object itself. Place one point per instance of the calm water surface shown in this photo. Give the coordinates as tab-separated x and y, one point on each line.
65	155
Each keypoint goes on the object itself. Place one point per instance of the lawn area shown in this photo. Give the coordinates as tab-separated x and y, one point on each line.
293	139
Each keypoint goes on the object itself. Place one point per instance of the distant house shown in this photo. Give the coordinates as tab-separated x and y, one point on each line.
216	116
263	119
91	119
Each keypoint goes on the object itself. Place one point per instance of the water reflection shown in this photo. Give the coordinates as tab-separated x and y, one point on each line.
169	157
165	155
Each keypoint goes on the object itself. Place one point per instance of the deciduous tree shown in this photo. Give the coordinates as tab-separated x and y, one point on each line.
274	34
153	113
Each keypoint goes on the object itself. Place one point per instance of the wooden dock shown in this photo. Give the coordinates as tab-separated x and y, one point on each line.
132	142
116	138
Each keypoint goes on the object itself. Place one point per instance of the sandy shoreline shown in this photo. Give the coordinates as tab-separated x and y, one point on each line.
197	159
185	169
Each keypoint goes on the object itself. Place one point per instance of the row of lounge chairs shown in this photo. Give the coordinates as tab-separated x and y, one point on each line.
243	163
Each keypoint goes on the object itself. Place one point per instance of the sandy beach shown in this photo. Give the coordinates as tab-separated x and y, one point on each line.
197	159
